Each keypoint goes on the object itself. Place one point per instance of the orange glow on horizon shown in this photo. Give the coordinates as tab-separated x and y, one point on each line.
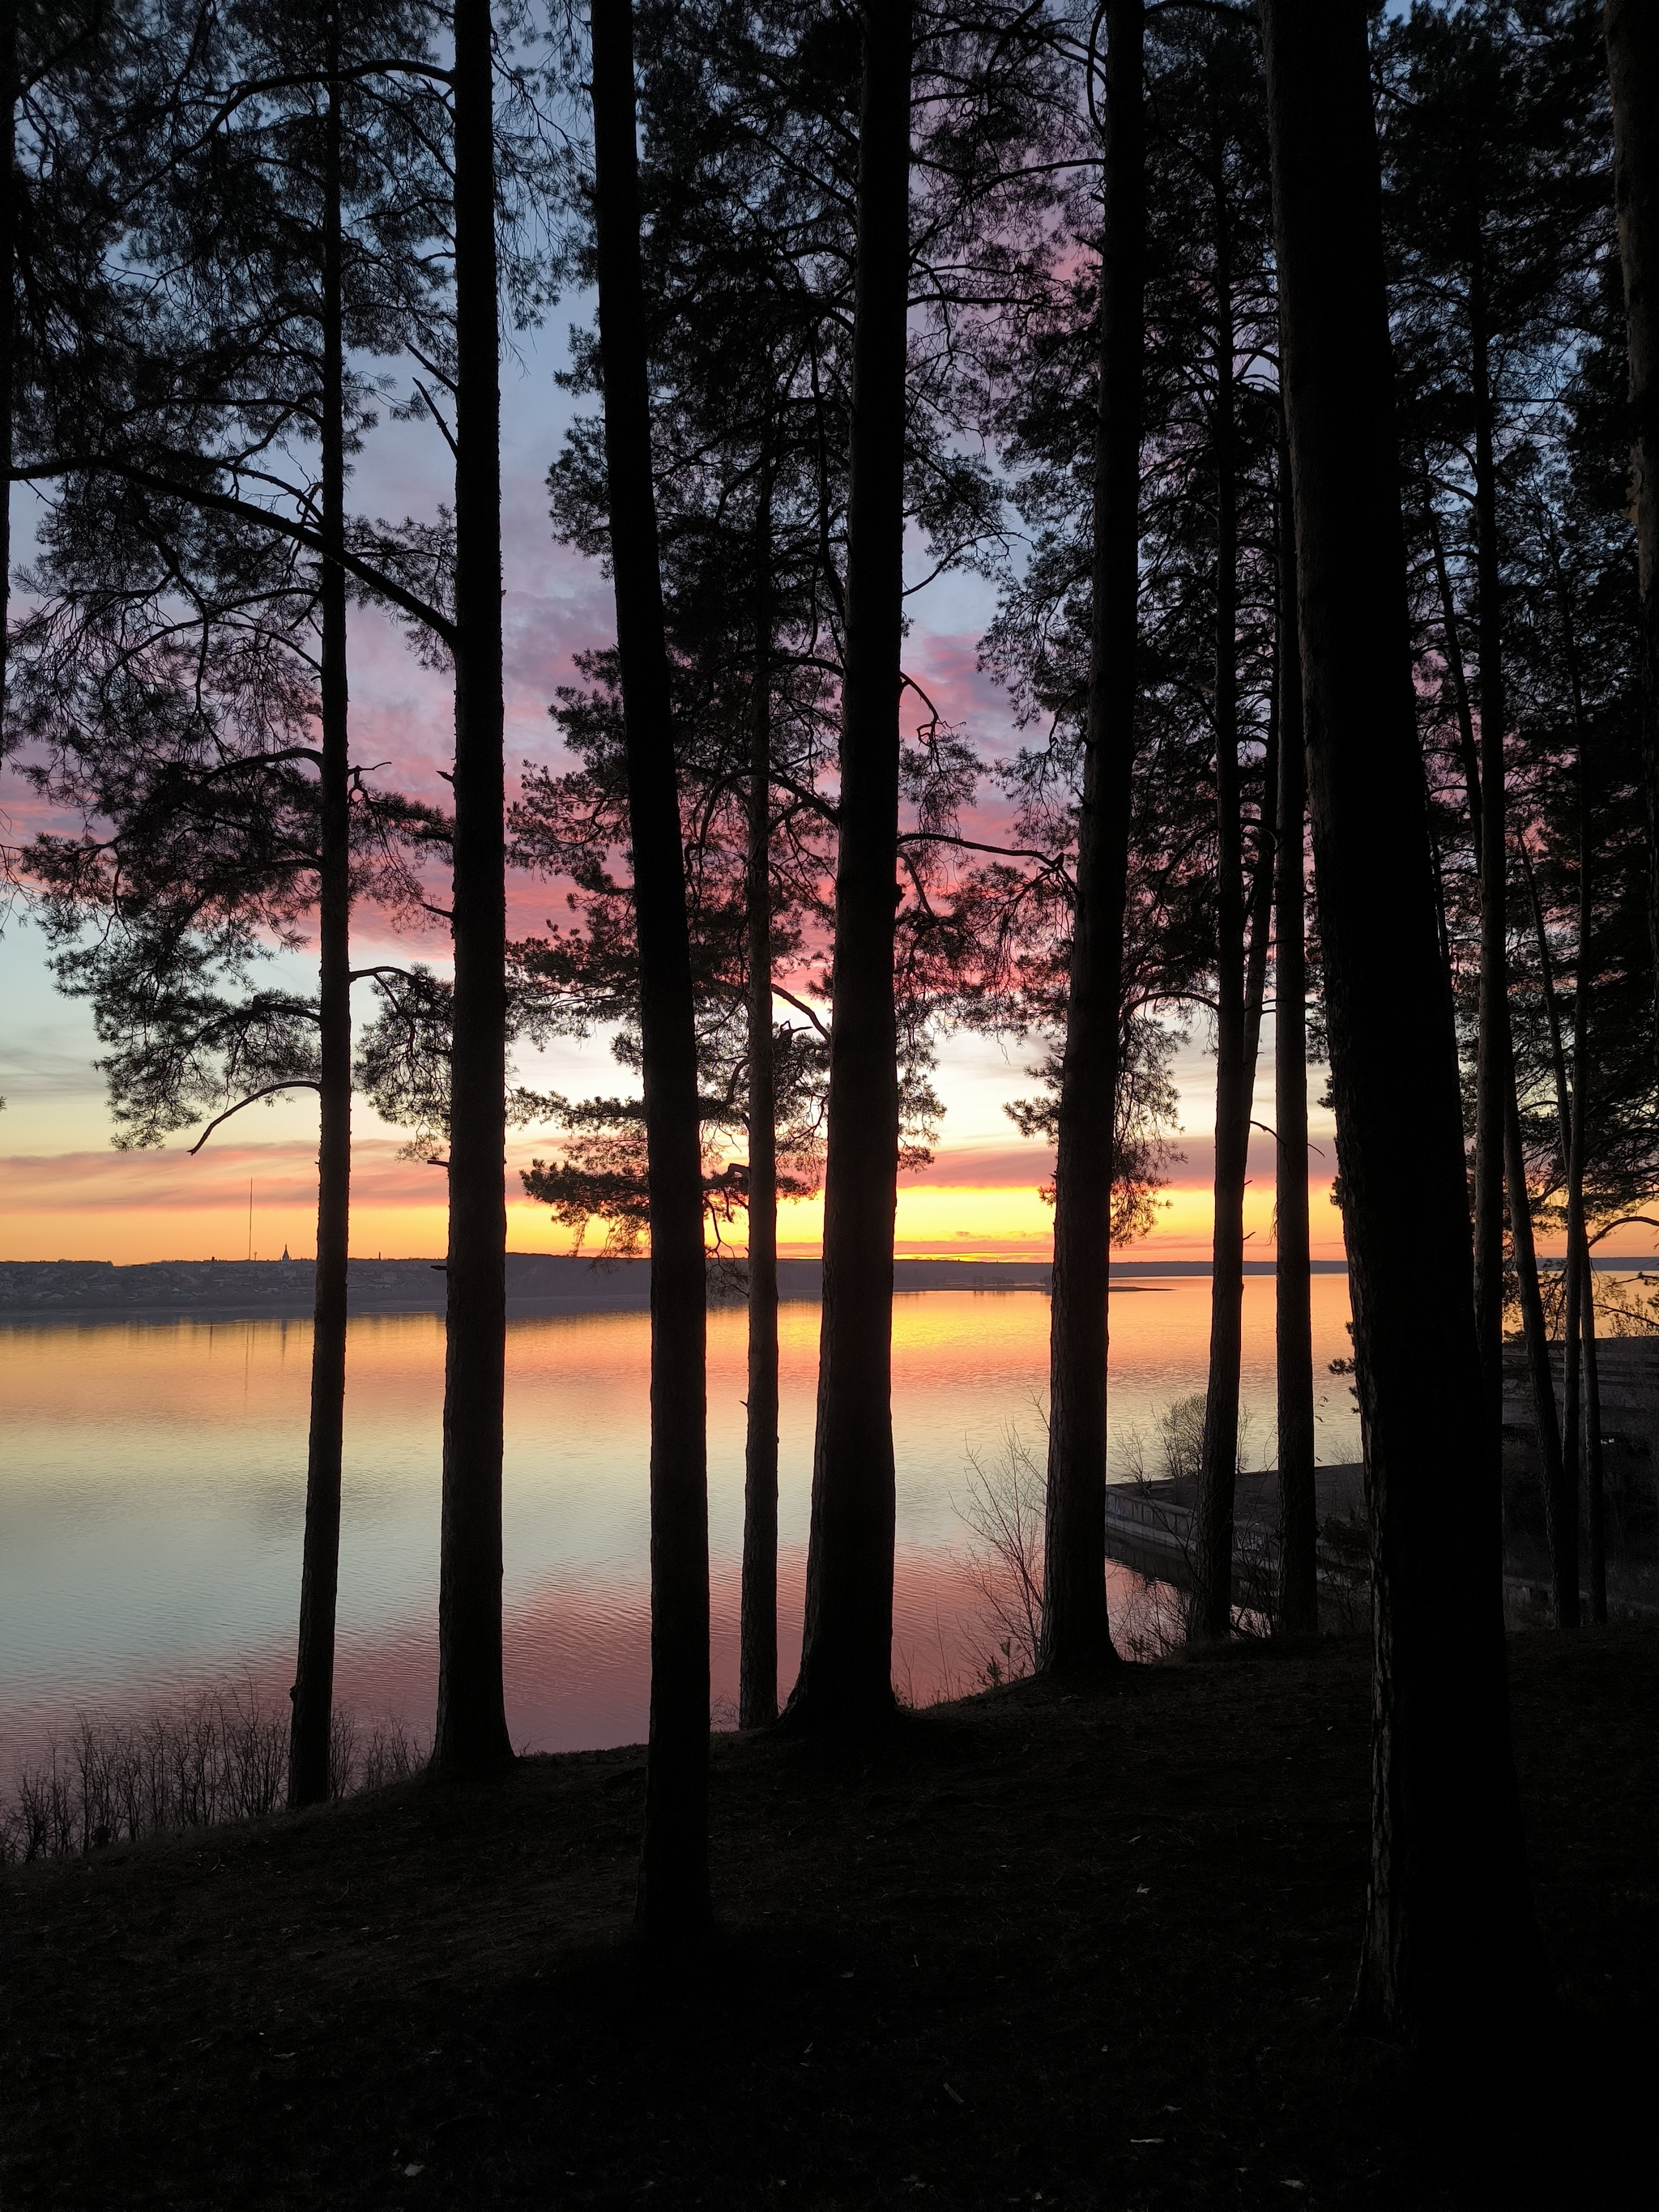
130	1207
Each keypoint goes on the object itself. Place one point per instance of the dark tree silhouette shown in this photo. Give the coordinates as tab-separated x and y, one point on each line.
1498	202
847	1649
757	1657
1494	1077
674	1893
1076	1635
1632	42
1211	1611
239	165
8	58
1449	1935
1298	1597
471	1735
313	1676
745	278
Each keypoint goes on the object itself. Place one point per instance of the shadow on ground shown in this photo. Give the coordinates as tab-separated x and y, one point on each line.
1033	1949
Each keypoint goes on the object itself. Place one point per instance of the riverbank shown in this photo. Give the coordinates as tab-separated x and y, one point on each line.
1093	1951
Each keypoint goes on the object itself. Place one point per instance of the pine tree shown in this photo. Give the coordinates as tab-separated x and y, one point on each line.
1632	52
246	198
846	1652
1491	118
1076	1634
1211	618
673	1897
1298	1593
1449	1935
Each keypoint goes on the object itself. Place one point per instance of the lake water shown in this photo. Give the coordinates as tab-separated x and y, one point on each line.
152	1495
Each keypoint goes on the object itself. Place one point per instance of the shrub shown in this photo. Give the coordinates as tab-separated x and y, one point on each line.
213	1756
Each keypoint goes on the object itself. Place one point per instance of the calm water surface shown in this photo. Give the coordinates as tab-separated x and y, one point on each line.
152	1495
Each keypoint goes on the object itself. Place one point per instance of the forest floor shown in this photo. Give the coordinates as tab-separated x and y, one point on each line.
1091	1951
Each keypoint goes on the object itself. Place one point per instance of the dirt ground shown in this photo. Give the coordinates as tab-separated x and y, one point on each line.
1089	1952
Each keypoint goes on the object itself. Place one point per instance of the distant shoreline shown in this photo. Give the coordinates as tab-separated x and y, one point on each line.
537	1284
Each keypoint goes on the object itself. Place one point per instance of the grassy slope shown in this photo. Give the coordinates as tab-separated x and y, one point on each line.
972	1965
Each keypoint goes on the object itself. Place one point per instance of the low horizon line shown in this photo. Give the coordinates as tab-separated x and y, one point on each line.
1119	1265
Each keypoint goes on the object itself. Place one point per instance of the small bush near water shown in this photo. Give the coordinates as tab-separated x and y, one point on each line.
218	1755
1004	1508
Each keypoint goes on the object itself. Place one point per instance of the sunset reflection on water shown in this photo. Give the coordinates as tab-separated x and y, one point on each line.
152	1495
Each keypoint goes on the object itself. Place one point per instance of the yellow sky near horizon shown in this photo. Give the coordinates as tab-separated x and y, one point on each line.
65	1193
133	1207
163	1204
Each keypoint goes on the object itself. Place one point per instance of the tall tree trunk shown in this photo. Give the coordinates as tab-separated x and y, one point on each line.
1442	934
673	1891
1298	1597
846	1665
314	1679
1578	1229
1468	753
1076	1637
1449	1935
1564	1499
1575	1270
1598	1496
758	1659
1563	1507
1632	37
1211	1614
1492	1074
1259	911
1581	1407
1564	1527
1560	1467
8	307
1496	1031
472	1736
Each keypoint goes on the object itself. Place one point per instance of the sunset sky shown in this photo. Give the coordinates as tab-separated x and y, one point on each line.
65	1193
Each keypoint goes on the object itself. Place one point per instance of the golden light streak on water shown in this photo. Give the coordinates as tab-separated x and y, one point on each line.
152	1490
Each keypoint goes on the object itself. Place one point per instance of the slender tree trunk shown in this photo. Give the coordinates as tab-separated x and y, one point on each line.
1598	1496
674	1893
846	1667
1496	1031
1498	1154
1563	1498
1574	1272
1442	933
1076	1637
1468	753
1492	1074
1563	1520
8	307
757	1665
472	1736
1298	1600
1258	935
1632	37
1449	1936
1572	1110
1563	1506
1213	1540
313	1680
1560	1467
1578	1230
